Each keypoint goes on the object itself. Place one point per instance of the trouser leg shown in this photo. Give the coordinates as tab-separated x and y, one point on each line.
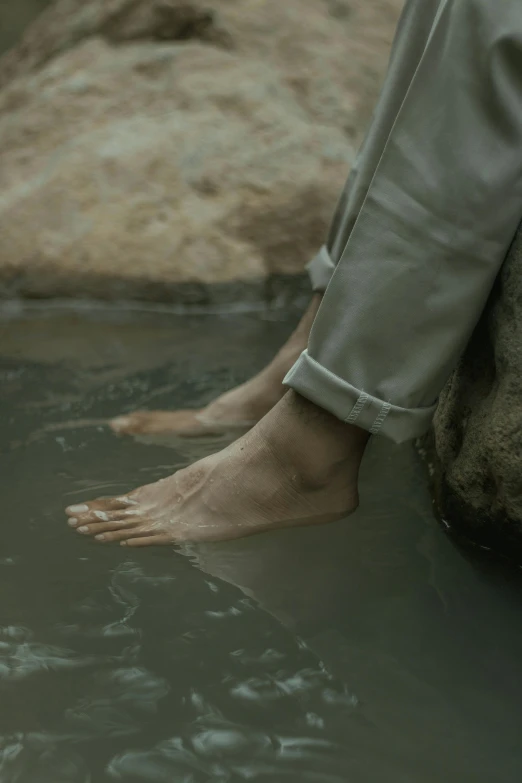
410	40
438	217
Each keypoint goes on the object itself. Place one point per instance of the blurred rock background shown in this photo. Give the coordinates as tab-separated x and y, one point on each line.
154	147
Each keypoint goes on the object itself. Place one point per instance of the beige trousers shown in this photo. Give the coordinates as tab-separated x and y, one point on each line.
425	220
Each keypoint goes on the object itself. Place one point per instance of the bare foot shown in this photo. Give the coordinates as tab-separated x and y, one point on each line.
239	408
298	466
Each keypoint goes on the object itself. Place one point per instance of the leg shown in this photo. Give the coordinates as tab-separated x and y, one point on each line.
412	35
439	216
314	490
239	408
243	406
410	284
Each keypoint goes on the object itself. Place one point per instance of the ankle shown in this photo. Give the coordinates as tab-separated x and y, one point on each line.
312	444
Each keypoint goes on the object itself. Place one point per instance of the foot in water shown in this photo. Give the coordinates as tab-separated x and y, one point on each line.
239	408
298	466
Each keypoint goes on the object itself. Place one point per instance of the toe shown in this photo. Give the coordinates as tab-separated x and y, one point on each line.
95	528
140	422
127	534
100	507
183	422
95	518
122	424
159	539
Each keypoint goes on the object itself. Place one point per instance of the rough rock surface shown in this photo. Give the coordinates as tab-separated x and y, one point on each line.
151	143
478	426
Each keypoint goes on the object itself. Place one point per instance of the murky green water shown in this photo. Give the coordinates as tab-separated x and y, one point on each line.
369	651
15	16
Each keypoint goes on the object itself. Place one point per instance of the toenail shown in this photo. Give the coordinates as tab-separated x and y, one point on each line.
72	522
78	509
100	537
125	499
121	421
123	543
83	529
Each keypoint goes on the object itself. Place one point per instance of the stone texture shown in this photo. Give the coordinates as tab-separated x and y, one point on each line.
149	145
478	426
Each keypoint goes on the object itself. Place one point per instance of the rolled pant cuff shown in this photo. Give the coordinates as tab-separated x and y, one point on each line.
353	406
320	269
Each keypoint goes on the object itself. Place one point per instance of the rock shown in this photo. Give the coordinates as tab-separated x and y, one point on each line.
151	147
478	426
69	22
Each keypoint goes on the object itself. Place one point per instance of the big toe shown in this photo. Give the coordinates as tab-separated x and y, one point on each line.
184	422
96	510
101	523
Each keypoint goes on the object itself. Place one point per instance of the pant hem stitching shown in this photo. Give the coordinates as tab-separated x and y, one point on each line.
379	421
357	408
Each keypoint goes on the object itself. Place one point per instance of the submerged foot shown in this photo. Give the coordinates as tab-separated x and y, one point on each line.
298	466
239	408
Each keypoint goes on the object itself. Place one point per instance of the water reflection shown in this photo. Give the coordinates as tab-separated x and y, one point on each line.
395	610
368	650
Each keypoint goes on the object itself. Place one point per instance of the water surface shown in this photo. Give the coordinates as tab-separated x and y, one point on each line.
15	17
368	651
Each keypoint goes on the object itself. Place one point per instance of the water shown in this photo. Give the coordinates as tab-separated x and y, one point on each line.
368	651
15	17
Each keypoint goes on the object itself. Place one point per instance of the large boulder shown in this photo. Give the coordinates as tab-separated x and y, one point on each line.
478	425
154	146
